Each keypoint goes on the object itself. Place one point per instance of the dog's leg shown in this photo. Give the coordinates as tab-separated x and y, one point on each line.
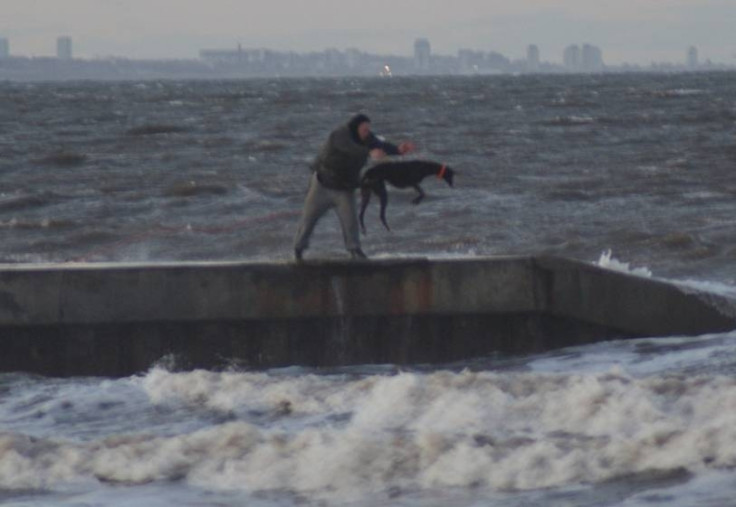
418	198
365	197
383	196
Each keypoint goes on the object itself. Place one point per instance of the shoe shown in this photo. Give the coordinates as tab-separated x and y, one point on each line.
357	253
298	254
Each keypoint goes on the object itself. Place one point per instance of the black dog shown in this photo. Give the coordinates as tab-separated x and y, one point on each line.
401	175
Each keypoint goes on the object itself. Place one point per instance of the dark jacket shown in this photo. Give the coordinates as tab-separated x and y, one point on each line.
343	156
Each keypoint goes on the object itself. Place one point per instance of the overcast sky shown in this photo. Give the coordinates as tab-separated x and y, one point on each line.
635	31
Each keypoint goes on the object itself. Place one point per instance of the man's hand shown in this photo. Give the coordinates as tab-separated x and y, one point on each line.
377	154
407	147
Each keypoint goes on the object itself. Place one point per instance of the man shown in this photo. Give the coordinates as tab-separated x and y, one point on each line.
336	175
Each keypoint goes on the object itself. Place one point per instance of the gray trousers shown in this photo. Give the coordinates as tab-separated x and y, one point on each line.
319	200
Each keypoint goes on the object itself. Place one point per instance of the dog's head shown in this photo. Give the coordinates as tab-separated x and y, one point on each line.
447	174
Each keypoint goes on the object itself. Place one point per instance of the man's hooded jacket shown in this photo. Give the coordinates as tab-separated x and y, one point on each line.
343	156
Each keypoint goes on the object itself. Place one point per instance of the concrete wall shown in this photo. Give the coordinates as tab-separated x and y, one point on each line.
98	319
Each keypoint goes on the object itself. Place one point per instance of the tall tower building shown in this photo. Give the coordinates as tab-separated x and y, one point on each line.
4	48
692	57
591	58
532	58
64	48
422	55
571	57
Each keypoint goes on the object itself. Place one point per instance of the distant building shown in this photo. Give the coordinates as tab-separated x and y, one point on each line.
469	61
532	58
222	55
353	58
587	59
4	48
64	48
692	57
592	58
571	57
422	55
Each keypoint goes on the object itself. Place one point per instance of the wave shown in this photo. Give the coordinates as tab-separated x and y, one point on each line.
607	261
266	145
568	121
155	129
16	202
192	188
339	438
676	93
63	159
44	223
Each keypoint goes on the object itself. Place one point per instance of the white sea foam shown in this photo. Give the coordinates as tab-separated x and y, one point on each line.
408	432
607	261
643	357
683	92
723	289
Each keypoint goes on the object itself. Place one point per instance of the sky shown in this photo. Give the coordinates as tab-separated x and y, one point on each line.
627	31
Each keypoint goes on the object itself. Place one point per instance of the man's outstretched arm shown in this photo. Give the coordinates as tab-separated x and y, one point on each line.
374	143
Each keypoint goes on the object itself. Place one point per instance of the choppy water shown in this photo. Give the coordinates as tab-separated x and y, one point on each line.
569	165
641	165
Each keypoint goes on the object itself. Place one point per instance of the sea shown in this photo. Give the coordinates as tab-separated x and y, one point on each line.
632	172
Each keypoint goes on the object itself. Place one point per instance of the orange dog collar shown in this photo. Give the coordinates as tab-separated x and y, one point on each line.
442	172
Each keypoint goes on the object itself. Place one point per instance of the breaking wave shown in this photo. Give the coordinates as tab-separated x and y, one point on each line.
340	439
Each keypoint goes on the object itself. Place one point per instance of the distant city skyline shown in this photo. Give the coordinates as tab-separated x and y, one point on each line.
628	31
574	56
243	62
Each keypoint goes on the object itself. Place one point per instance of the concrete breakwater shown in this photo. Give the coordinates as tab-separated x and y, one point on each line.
120	319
